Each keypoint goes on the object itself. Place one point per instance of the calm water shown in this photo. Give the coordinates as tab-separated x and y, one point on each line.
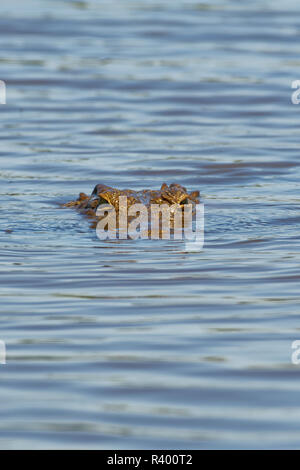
141	344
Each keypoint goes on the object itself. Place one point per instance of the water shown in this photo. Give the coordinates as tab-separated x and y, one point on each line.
142	344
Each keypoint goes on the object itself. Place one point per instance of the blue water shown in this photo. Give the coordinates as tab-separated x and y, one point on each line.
143	344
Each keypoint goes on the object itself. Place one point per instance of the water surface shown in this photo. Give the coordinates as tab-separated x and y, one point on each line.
142	344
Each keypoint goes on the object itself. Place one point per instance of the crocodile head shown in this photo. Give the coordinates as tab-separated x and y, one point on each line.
170	195
174	196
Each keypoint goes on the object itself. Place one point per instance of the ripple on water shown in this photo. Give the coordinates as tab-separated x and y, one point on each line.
144	344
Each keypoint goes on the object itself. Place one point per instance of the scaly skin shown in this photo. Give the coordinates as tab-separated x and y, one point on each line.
102	194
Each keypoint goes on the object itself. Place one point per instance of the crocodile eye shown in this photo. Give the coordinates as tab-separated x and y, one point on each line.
185	201
102	200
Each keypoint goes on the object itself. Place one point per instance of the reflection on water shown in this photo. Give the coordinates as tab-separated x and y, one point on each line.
145	344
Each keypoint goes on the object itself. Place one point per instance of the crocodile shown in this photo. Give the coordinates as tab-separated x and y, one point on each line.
174	196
